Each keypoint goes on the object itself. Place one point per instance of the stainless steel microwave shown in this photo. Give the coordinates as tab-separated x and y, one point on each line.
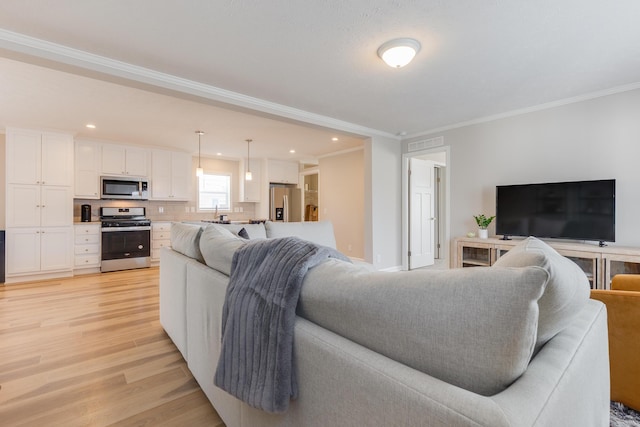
123	188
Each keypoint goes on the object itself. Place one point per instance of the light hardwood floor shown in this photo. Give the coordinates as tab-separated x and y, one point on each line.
90	351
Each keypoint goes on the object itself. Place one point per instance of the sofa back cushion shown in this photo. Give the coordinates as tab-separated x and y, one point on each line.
185	239
566	293
473	327
217	245
319	232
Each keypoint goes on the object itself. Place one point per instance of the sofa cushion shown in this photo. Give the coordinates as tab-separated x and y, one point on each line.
319	232
255	231
185	239
217	245
473	327
566	293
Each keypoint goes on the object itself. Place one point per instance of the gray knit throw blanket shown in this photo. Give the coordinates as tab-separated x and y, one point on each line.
256	358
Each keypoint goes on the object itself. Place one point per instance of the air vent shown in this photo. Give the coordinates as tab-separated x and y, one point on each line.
425	143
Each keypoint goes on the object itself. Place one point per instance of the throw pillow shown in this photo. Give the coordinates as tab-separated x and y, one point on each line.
566	293
185	238
243	233
217	245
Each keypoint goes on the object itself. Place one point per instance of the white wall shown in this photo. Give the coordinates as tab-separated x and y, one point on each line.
593	139
341	199
382	219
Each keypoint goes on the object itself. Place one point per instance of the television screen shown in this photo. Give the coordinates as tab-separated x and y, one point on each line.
581	210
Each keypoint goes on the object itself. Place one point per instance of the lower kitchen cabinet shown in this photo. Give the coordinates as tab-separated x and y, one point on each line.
160	238
37	251
86	248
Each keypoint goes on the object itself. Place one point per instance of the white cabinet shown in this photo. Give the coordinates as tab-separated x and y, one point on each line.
283	172
160	238
170	175
39	202
36	249
124	160
250	191
87	170
87	247
39	206
39	158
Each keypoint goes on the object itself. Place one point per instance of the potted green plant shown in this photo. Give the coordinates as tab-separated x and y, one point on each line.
483	222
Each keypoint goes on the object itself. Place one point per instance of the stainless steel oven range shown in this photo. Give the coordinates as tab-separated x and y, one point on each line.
126	239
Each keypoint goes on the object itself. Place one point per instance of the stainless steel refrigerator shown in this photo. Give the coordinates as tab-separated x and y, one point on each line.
285	203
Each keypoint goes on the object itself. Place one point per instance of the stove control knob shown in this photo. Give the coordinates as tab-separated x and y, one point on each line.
140	246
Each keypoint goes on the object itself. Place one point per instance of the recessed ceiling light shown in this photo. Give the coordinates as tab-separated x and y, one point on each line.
334	139
218	154
292	151
91	126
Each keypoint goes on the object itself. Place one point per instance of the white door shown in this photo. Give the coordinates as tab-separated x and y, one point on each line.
136	161
57	159
180	176
23	205
421	213
23	250
23	156
56	206
161	174
56	248
113	160
87	168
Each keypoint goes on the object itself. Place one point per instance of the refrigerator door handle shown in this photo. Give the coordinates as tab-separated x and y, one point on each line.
285	205
272	205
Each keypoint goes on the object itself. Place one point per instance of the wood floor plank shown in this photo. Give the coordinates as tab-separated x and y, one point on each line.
91	351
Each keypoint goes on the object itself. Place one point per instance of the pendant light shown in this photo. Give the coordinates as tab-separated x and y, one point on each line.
247	175
199	170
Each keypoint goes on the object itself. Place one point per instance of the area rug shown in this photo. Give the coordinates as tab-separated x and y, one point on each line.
622	416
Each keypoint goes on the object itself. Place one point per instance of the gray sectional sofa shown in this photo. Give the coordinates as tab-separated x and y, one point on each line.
518	344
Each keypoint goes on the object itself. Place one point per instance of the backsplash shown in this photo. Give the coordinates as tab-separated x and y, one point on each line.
171	211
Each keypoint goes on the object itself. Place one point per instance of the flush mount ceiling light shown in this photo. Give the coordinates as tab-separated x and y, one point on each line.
199	170
399	52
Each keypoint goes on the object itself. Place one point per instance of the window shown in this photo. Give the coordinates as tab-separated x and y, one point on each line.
214	191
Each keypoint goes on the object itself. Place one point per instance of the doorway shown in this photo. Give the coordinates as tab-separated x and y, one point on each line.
429	225
310	202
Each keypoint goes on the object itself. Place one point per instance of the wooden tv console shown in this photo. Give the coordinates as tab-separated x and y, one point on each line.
599	264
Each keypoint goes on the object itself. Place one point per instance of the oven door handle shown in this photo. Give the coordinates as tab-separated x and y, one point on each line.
114	229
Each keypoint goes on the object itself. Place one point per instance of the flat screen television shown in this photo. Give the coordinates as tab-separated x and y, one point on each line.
580	210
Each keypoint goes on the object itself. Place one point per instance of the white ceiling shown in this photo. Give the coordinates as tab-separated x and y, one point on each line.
308	59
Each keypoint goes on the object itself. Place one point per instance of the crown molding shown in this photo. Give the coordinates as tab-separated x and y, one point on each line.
539	107
38	48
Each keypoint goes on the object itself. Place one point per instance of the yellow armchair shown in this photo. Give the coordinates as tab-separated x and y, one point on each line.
623	312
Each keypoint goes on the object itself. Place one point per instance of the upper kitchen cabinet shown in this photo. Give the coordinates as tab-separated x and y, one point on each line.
250	191
170	175
283	172
124	160
87	167
39	158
